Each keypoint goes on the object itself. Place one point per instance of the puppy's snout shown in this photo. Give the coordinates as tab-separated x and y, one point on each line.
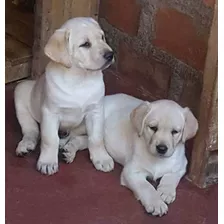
109	55
161	149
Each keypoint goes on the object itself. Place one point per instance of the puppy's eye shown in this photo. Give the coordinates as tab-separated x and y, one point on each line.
86	44
153	128
173	132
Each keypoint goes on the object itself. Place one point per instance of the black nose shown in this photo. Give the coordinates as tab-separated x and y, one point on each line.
161	149
109	55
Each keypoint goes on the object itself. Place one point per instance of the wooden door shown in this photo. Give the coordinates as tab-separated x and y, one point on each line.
204	161
19	21
50	15
27	32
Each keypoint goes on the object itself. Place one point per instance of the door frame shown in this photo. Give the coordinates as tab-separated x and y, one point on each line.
204	161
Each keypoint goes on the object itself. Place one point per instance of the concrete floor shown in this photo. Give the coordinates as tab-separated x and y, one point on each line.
79	194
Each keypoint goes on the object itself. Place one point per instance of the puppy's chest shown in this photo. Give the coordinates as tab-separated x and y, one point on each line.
70	117
157	169
69	95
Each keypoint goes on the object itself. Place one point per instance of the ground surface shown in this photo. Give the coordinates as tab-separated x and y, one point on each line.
79	194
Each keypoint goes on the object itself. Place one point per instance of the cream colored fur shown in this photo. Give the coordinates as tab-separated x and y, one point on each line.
131	139
68	95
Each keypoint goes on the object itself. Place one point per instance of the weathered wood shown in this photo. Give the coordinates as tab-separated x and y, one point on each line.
50	15
42	31
212	169
18	42
16	52
212	141
19	24
19	13
207	137
17	72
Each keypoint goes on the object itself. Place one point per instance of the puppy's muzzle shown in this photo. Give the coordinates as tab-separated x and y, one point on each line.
109	55
161	149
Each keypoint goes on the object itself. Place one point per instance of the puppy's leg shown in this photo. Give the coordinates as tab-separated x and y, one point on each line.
63	142
63	139
98	154
28	125
80	130
29	128
136	181
48	159
167	186
76	143
77	140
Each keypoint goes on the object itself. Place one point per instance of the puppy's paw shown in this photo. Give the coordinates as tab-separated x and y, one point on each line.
102	161
167	193
63	142
156	207
69	153
47	166
25	146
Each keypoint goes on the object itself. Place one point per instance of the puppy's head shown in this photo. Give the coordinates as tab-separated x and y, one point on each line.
80	42
163	124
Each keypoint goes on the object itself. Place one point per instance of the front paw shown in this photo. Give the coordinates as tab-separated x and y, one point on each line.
69	152
25	146
156	207
47	166
167	193
101	160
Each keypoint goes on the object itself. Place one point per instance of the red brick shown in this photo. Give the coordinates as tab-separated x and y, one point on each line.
117	83
209	3
191	94
176	34
145	72
124	15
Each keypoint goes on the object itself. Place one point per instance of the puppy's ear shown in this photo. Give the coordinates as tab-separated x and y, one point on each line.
57	48
138	116
191	125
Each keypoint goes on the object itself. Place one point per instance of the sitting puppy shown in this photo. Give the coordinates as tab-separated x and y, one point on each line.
69	94
148	140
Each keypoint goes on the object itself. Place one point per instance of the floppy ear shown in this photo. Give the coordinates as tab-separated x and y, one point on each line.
138	116
57	48
191	125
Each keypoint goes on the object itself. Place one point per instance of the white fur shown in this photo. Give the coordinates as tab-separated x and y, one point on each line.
68	95
131	142
136	151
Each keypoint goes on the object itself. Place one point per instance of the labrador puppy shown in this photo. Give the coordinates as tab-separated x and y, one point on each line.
68	95
148	140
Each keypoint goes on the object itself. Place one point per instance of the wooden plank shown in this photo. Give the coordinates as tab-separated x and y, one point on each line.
84	8
95	9
16	72
212	169
43	28
18	42
19	30
212	141
50	15
206	139
18	13
16	52
19	23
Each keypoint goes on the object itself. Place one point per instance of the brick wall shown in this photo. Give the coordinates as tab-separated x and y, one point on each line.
160	47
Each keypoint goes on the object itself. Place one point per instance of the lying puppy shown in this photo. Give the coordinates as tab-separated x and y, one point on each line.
69	93
148	140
